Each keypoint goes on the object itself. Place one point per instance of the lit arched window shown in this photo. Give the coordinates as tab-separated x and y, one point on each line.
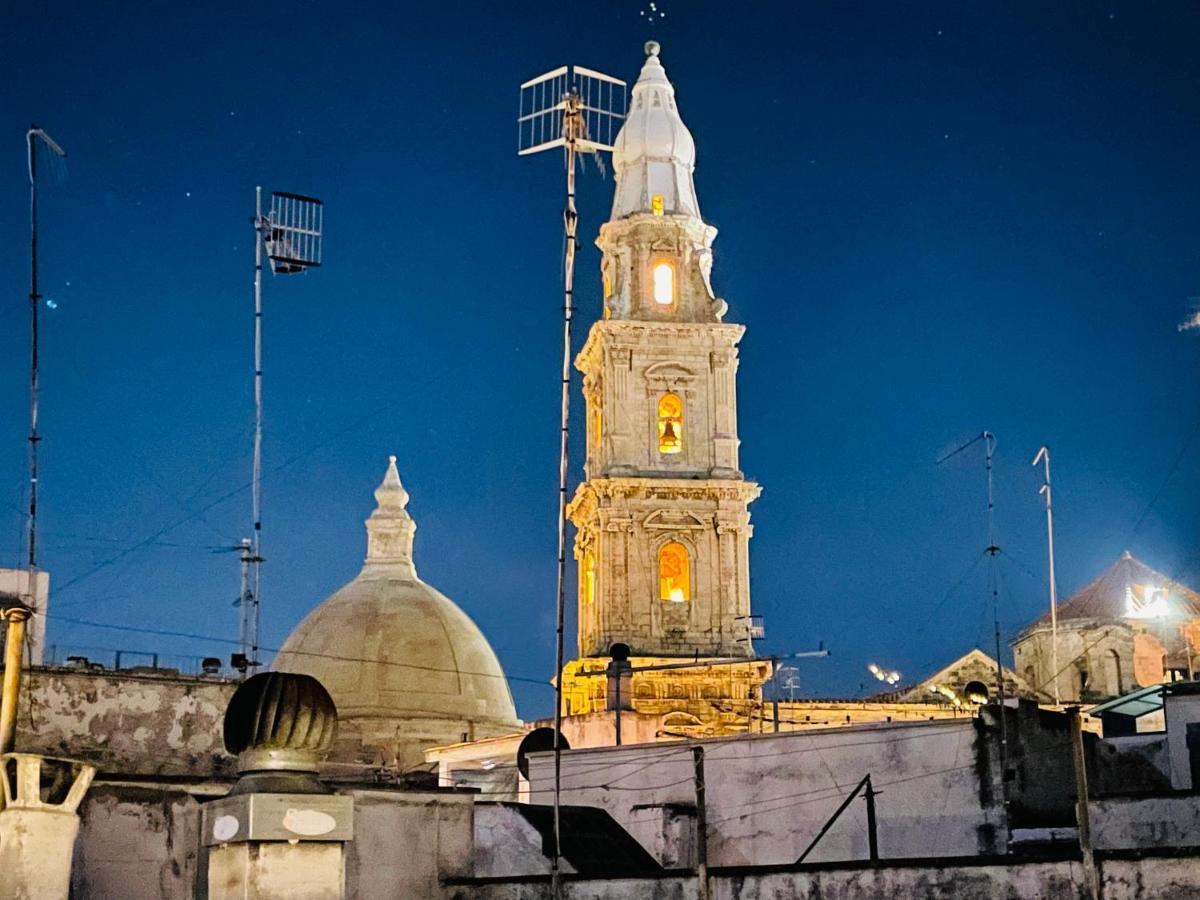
664	283
670	423
589	577
674	581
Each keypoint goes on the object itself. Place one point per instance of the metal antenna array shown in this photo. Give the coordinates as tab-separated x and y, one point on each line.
35	137
290	233
1043	456
989	443
580	110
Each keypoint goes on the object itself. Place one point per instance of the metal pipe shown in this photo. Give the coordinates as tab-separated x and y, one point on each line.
1043	456
250	617
14	642
572	130
1082	814
701	824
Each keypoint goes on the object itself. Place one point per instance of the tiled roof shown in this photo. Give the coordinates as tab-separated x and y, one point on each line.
1108	597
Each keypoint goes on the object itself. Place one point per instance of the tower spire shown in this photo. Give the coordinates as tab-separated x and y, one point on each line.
654	154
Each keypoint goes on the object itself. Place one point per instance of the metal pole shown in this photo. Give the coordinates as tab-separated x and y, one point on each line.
618	716
872	828
1082	815
34	302
14	641
701	824
774	695
1043	456
251	615
572	129
989	442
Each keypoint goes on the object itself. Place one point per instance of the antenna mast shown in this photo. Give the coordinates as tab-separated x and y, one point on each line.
32	137
290	233
577	109
1043	456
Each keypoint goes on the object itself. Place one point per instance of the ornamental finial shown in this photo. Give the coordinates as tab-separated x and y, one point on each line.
652	48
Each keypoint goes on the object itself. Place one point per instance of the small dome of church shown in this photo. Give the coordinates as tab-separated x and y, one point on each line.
406	667
654	154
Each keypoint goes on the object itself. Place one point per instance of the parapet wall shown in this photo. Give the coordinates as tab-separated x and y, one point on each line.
127	723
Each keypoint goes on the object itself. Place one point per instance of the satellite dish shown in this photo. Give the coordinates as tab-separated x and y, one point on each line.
536	741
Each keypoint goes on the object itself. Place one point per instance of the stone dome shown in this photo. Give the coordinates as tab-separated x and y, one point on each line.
406	667
654	154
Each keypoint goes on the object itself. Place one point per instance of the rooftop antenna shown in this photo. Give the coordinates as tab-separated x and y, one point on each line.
1043	456
989	444
290	233
580	110
15	615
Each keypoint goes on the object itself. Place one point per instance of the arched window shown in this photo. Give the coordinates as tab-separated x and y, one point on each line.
674	575
589	577
663	275
670	423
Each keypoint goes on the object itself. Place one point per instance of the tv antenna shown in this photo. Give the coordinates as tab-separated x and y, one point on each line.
35	137
992	550
580	110
290	233
1043	456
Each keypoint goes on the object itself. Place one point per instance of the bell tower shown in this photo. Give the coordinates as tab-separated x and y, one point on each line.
662	521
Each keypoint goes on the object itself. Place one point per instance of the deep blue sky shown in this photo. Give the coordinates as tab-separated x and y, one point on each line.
934	218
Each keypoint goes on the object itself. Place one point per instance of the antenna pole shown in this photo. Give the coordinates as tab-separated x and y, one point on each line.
250	611
34	302
989	442
1043	456
572	130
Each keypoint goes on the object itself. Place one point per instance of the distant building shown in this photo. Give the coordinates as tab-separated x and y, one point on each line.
970	680
1131	627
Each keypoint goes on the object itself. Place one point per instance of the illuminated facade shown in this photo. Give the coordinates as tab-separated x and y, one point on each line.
662	520
1132	627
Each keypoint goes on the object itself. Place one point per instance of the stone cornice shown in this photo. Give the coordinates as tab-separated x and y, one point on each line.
629	334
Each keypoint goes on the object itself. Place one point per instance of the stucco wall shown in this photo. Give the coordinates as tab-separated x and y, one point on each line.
768	796
1129	823
1142	879
127	723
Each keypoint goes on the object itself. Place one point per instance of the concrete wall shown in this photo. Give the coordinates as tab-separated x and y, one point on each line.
131	724
1181	709
1124	879
1126	823
768	796
140	842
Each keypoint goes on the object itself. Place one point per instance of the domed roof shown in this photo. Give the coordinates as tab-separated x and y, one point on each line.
406	667
654	154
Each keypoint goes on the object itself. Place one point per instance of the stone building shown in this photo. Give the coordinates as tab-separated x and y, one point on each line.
406	667
1131	627
662	520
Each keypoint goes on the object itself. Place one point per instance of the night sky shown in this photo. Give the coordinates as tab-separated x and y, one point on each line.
934	218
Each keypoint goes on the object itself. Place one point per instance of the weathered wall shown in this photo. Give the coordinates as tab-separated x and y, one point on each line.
140	842
1126	823
1134	879
127	724
769	795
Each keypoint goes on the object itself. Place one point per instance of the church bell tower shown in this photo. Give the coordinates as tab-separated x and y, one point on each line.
662	520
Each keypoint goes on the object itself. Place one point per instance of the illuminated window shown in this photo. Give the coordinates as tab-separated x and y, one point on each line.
674	583
589	577
664	283
656	204
670	423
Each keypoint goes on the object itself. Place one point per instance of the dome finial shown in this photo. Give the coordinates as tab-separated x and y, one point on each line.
652	48
391	494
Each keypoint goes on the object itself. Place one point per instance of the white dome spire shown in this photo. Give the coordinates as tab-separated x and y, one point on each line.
390	528
654	154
